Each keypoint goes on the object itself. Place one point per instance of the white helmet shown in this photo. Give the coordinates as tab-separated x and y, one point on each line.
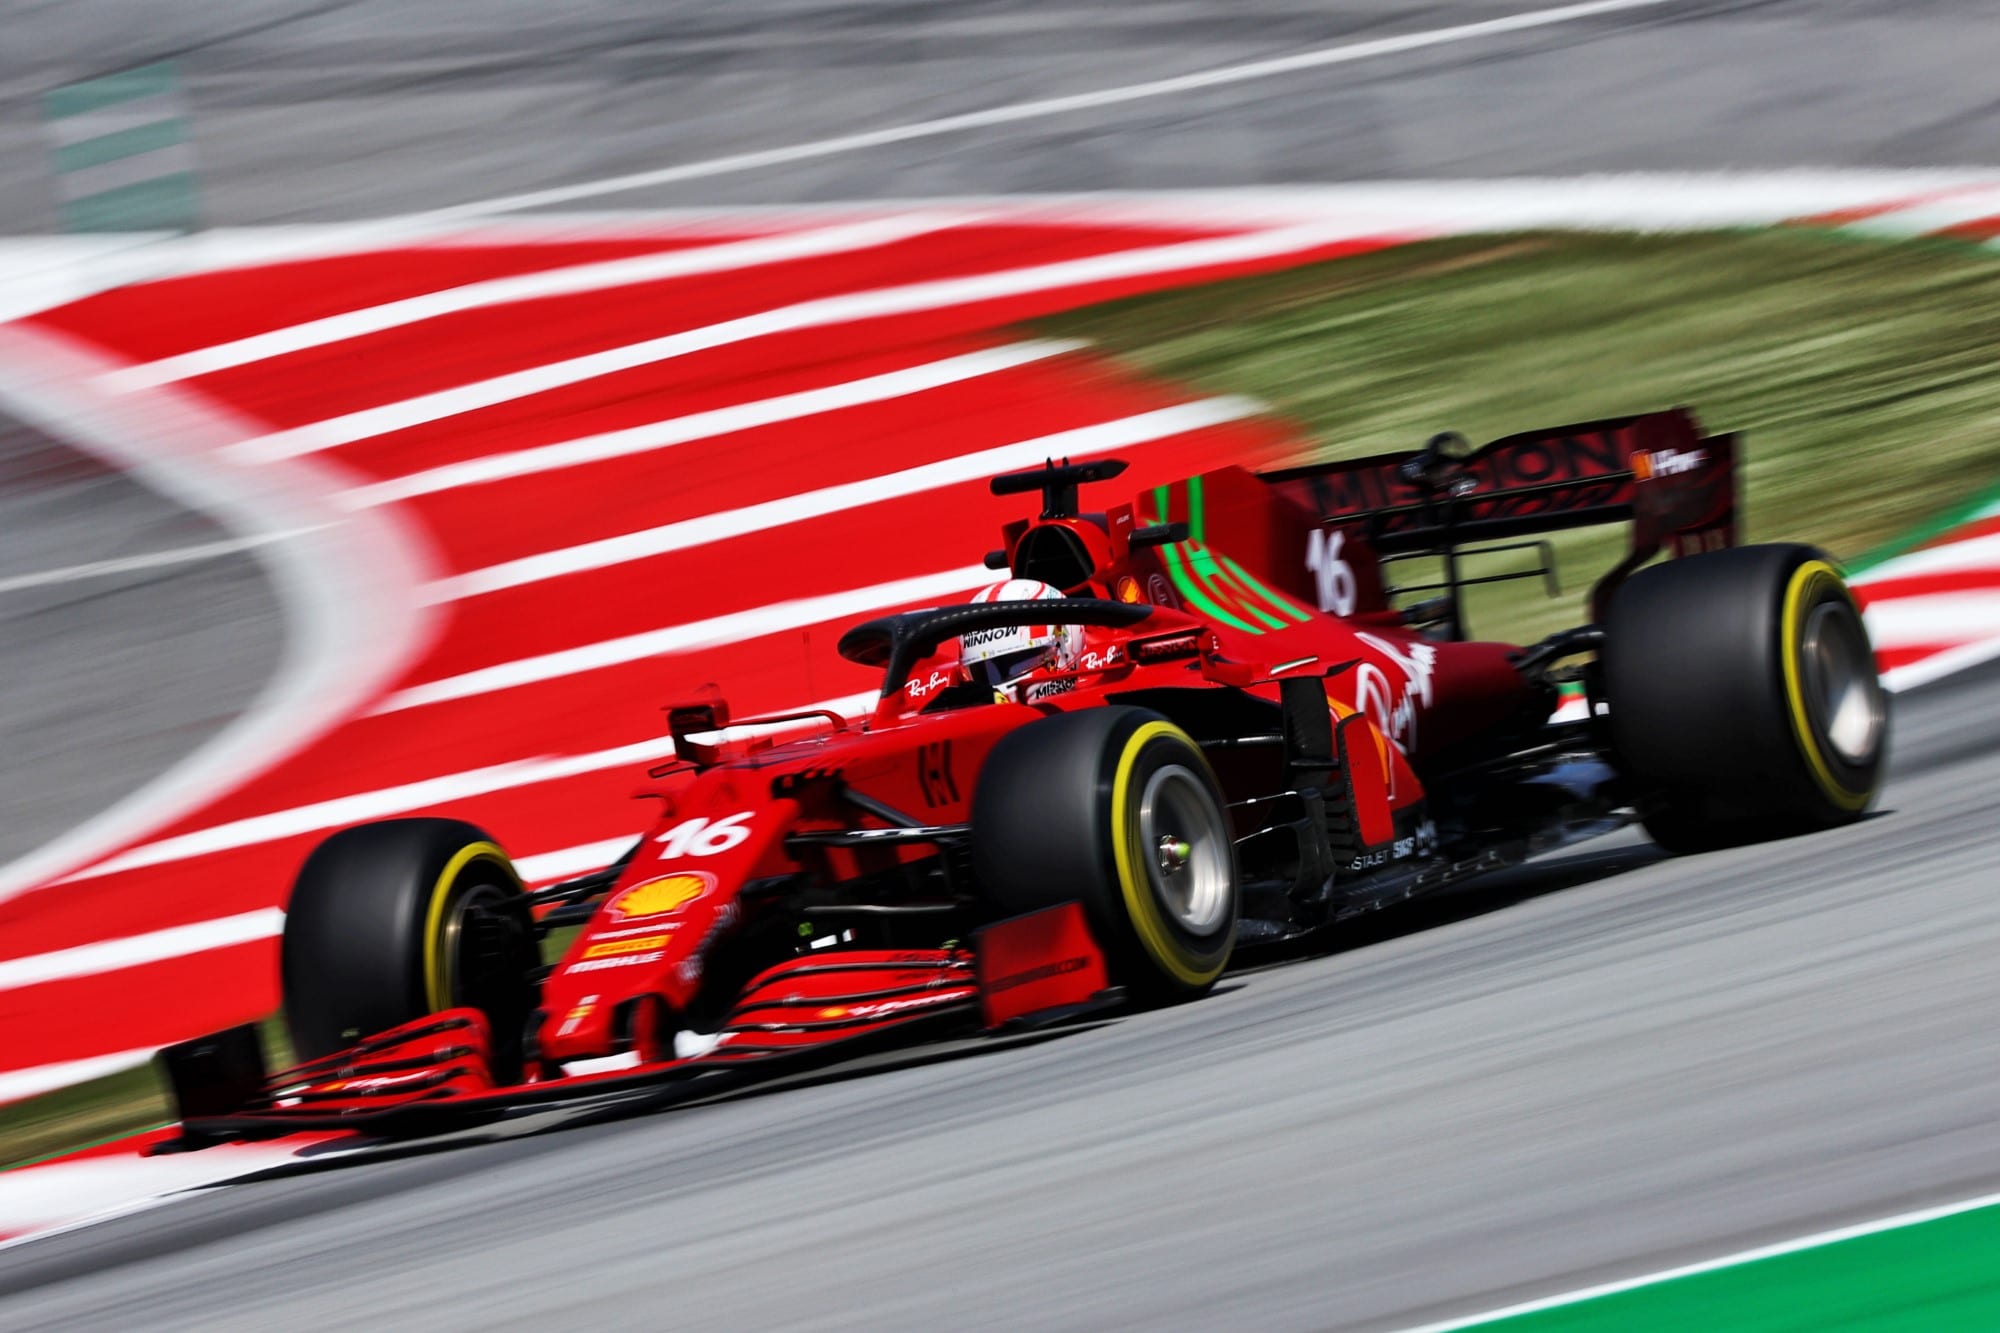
999	657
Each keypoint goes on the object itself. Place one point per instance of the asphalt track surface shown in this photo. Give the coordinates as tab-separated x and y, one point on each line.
112	667
316	110
1610	1064
1599	1066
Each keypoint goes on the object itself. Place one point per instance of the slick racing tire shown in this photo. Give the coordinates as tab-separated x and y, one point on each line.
391	921
1743	696
1116	808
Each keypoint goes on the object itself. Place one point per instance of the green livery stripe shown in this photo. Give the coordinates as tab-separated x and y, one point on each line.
1212	581
1219	583
1285	605
1189	588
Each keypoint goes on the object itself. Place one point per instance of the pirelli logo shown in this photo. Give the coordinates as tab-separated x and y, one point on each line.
637	944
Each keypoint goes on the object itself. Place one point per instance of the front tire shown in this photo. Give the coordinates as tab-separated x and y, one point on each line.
391	921
1743	696
1116	808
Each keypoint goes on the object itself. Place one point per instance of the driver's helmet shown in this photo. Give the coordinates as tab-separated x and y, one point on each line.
1008	658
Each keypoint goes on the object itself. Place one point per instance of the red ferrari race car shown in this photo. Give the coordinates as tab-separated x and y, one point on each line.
1171	736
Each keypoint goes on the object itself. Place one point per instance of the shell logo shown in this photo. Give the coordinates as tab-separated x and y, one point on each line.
663	895
1128	589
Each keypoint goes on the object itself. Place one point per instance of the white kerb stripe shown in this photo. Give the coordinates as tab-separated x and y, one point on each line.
386	802
1220	76
18	1083
1124	433
566	281
266	923
1939	617
706	425
937	294
1931	215
136	950
1938	665
774	618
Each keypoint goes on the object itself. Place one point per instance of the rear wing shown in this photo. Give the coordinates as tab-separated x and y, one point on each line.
1676	485
1323	532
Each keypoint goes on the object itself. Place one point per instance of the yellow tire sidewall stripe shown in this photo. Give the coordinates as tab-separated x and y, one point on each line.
1805	580
437	970
1142	909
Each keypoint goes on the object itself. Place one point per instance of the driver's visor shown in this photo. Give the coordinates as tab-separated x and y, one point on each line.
1009	666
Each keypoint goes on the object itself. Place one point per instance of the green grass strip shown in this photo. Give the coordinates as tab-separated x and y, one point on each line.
1937	1275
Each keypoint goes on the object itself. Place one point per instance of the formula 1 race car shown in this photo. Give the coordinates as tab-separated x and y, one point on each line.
1172	735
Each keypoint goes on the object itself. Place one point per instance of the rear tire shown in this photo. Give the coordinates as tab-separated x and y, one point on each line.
1116	808
391	921
1743	696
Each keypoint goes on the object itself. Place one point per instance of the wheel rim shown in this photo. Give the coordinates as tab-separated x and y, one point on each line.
471	945
1843	696
1186	854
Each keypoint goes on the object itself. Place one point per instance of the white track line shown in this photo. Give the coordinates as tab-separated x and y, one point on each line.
1144	428
734	627
706	425
132	564
717	258
1320	58
343	582
1817	1240
823	312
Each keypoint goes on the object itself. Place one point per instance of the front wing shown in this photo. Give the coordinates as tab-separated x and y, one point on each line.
436	1074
